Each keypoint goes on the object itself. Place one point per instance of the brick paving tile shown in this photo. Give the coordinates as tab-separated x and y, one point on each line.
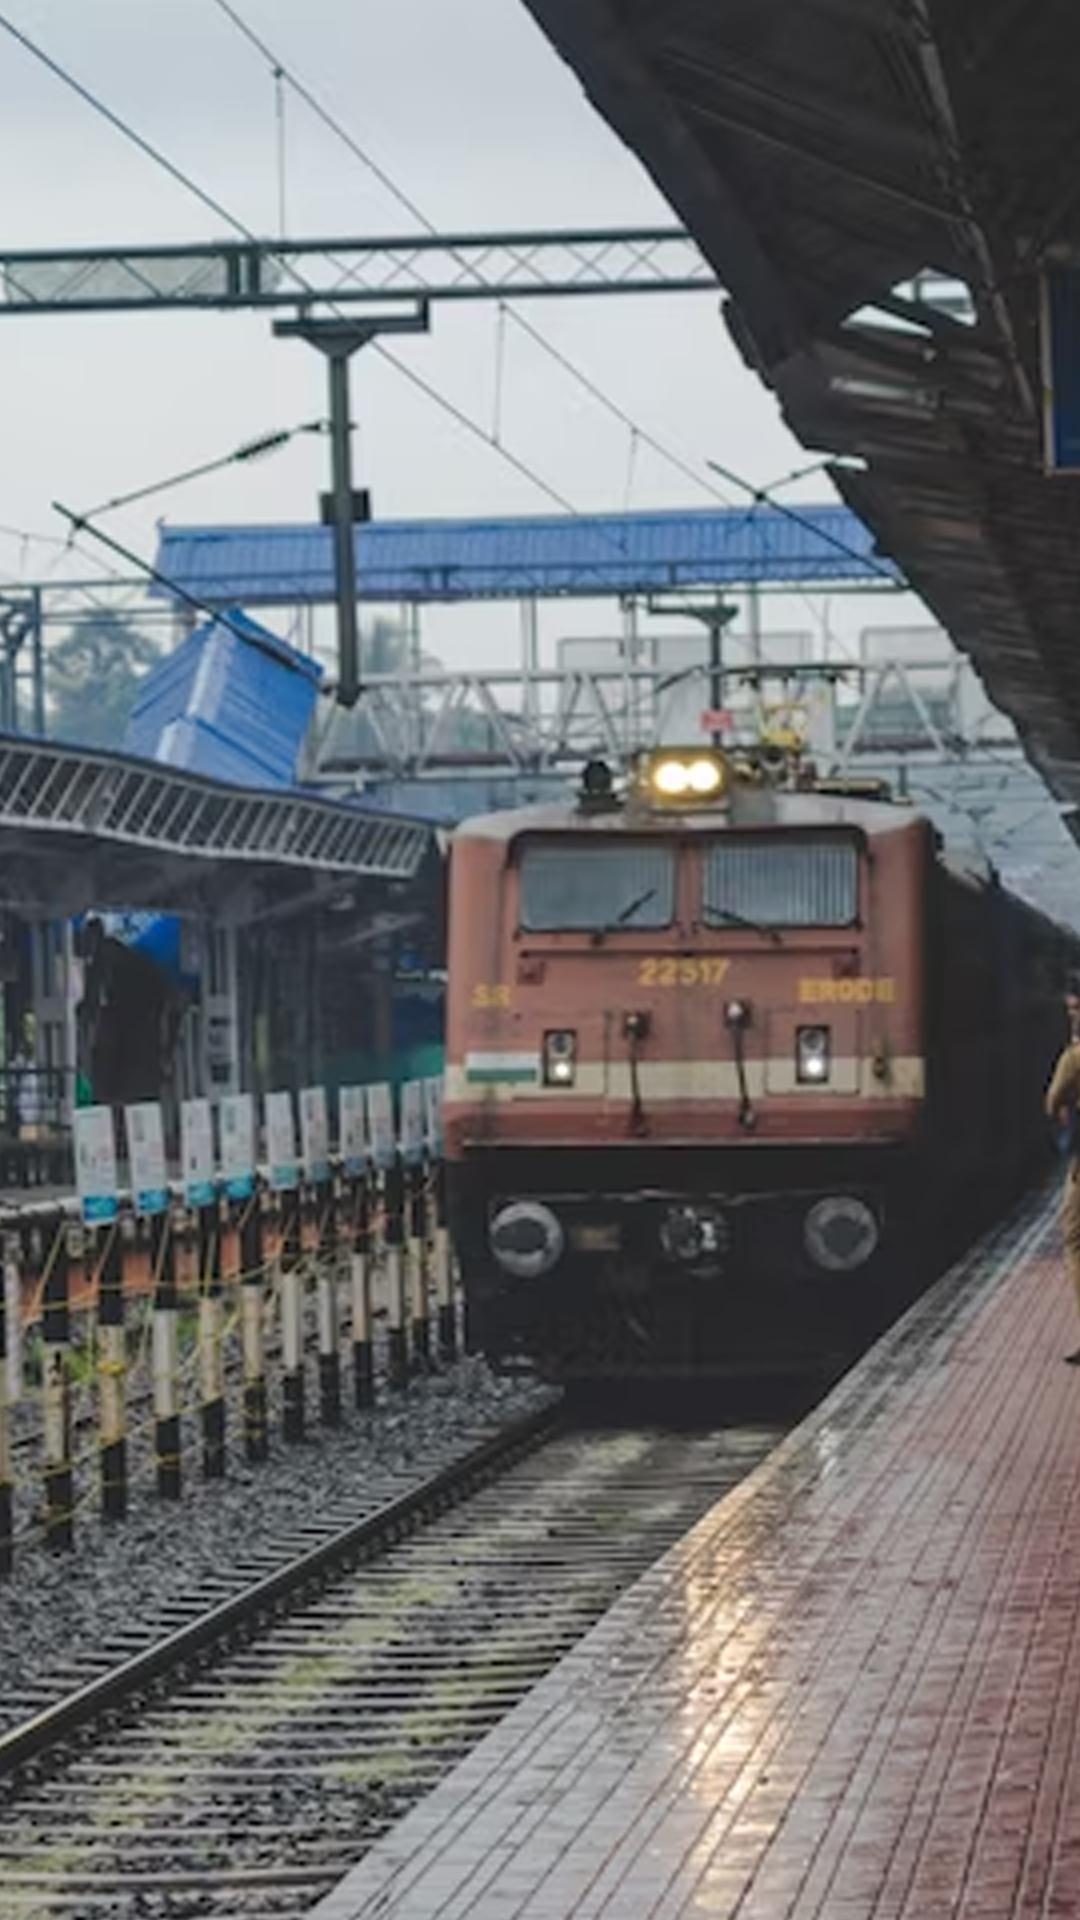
853	1689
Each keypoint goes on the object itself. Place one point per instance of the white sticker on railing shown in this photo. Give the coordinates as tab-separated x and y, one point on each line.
315	1133
197	1152
412	1121
433	1115
281	1141
146	1152
95	1163
352	1129
382	1133
238	1145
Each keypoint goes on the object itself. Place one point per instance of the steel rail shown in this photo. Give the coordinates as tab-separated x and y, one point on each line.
244	1613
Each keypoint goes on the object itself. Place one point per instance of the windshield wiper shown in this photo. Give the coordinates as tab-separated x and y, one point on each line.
629	911
625	913
727	916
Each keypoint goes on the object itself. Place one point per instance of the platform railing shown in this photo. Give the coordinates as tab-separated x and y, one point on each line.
161	1341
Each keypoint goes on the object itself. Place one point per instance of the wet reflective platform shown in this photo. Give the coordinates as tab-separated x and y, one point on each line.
852	1691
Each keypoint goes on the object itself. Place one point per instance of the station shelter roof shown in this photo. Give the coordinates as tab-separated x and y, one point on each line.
579	554
837	161
233	702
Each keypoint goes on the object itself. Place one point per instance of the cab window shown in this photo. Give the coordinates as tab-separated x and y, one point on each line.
594	886
803	882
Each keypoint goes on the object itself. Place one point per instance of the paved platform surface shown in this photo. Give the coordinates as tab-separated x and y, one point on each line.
852	1692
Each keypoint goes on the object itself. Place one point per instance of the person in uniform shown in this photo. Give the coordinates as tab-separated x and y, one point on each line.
1063	1107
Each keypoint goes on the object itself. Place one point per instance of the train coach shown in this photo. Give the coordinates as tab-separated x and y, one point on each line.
734	1057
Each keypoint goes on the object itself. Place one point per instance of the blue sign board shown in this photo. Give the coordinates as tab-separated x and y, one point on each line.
1061	368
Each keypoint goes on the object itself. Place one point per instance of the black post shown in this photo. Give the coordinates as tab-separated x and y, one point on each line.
331	1257
344	528
360	1260
339	339
12	1254
121	1254
214	1224
444	1280
56	1385
166	1259
256	1434
394	1209
419	1298
291	1271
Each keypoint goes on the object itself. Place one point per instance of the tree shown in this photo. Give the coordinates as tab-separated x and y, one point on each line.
93	677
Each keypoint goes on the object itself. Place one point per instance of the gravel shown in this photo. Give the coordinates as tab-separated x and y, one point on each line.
58	1609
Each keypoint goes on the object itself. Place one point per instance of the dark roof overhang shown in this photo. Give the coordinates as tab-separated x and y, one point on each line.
827	152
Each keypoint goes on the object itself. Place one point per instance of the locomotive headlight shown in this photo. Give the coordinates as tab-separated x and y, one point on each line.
686	776
671	778
560	1058
813	1050
704	776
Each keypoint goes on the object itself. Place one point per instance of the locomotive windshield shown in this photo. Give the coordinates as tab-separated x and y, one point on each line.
812	882
571	887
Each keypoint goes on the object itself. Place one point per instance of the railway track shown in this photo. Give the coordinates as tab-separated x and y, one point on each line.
238	1768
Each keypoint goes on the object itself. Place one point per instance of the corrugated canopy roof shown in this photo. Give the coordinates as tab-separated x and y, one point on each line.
825	151
233	702
438	560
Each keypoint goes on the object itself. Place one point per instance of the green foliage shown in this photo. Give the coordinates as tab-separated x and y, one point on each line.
92	678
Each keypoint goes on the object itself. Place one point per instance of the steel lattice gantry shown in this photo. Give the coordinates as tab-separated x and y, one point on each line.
80	828
354	272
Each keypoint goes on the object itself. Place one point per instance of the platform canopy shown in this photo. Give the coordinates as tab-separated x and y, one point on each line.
579	554
82	828
836	160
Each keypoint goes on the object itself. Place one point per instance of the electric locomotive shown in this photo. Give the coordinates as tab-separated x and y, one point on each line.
733	1057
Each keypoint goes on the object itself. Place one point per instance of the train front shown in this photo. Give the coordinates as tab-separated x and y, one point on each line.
685	1071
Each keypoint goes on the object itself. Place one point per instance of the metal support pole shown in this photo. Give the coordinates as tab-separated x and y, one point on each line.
253	1239
56	1389
328	1266
291	1273
394	1208
37	665
444	1282
416	1267
121	1254
12	1259
716	675
341	479
753	621
170	1266
214	1224
339	339
360	1278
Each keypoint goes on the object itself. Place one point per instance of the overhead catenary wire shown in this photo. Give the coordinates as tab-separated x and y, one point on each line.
181	177
640	436
239	226
248	451
762	496
283	73
79	524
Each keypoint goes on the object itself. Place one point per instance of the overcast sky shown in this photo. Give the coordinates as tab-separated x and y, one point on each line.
474	115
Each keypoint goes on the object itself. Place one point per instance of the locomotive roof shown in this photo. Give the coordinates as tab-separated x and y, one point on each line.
751	808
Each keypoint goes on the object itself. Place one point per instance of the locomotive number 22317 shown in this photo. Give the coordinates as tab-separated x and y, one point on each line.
708	970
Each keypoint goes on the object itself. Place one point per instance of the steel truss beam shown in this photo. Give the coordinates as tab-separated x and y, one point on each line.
430	725
58	789
269	273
